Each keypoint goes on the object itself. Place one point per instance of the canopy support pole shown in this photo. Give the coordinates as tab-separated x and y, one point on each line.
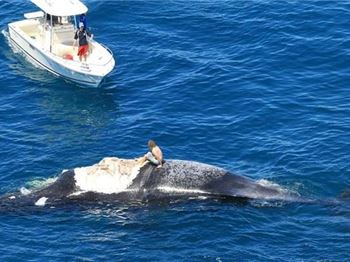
44	29
51	36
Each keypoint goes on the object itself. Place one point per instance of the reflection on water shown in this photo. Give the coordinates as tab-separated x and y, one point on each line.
77	117
76	106
22	65
63	101
116	213
55	118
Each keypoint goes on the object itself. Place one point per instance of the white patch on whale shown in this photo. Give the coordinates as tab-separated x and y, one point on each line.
76	193
41	202
167	189
267	183
110	175
25	191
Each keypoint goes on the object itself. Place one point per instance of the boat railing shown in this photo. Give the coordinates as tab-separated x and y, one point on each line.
109	51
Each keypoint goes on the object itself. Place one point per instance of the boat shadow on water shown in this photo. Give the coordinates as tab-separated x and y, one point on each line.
85	107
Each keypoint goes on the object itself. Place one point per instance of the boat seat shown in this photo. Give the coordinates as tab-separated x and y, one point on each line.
30	29
62	50
64	34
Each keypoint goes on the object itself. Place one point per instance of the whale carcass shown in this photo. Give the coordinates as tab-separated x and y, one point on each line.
115	179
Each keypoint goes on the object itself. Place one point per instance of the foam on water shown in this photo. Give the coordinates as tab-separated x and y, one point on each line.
266	203
284	193
40	183
270	184
5	33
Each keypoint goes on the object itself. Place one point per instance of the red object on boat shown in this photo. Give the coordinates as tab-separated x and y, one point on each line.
68	57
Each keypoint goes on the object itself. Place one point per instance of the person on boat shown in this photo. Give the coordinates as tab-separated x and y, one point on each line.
82	34
82	19
155	155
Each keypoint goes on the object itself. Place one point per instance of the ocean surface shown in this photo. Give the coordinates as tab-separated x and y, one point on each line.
260	88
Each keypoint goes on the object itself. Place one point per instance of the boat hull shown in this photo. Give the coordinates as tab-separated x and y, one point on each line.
43	59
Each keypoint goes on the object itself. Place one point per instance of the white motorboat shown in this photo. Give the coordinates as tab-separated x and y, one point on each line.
47	38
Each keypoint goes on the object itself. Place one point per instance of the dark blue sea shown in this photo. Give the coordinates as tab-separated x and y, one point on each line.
260	88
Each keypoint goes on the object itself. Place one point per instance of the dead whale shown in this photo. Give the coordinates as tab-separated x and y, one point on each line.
115	179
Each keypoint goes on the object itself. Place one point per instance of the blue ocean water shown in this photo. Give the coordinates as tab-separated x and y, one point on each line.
260	88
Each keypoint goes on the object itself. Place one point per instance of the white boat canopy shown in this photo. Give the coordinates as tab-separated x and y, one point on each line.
61	7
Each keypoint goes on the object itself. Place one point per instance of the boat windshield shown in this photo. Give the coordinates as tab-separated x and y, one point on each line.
59	20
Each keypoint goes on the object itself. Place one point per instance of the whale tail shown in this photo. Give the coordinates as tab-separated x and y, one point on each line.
236	186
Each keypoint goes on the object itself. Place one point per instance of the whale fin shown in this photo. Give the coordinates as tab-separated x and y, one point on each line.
145	176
